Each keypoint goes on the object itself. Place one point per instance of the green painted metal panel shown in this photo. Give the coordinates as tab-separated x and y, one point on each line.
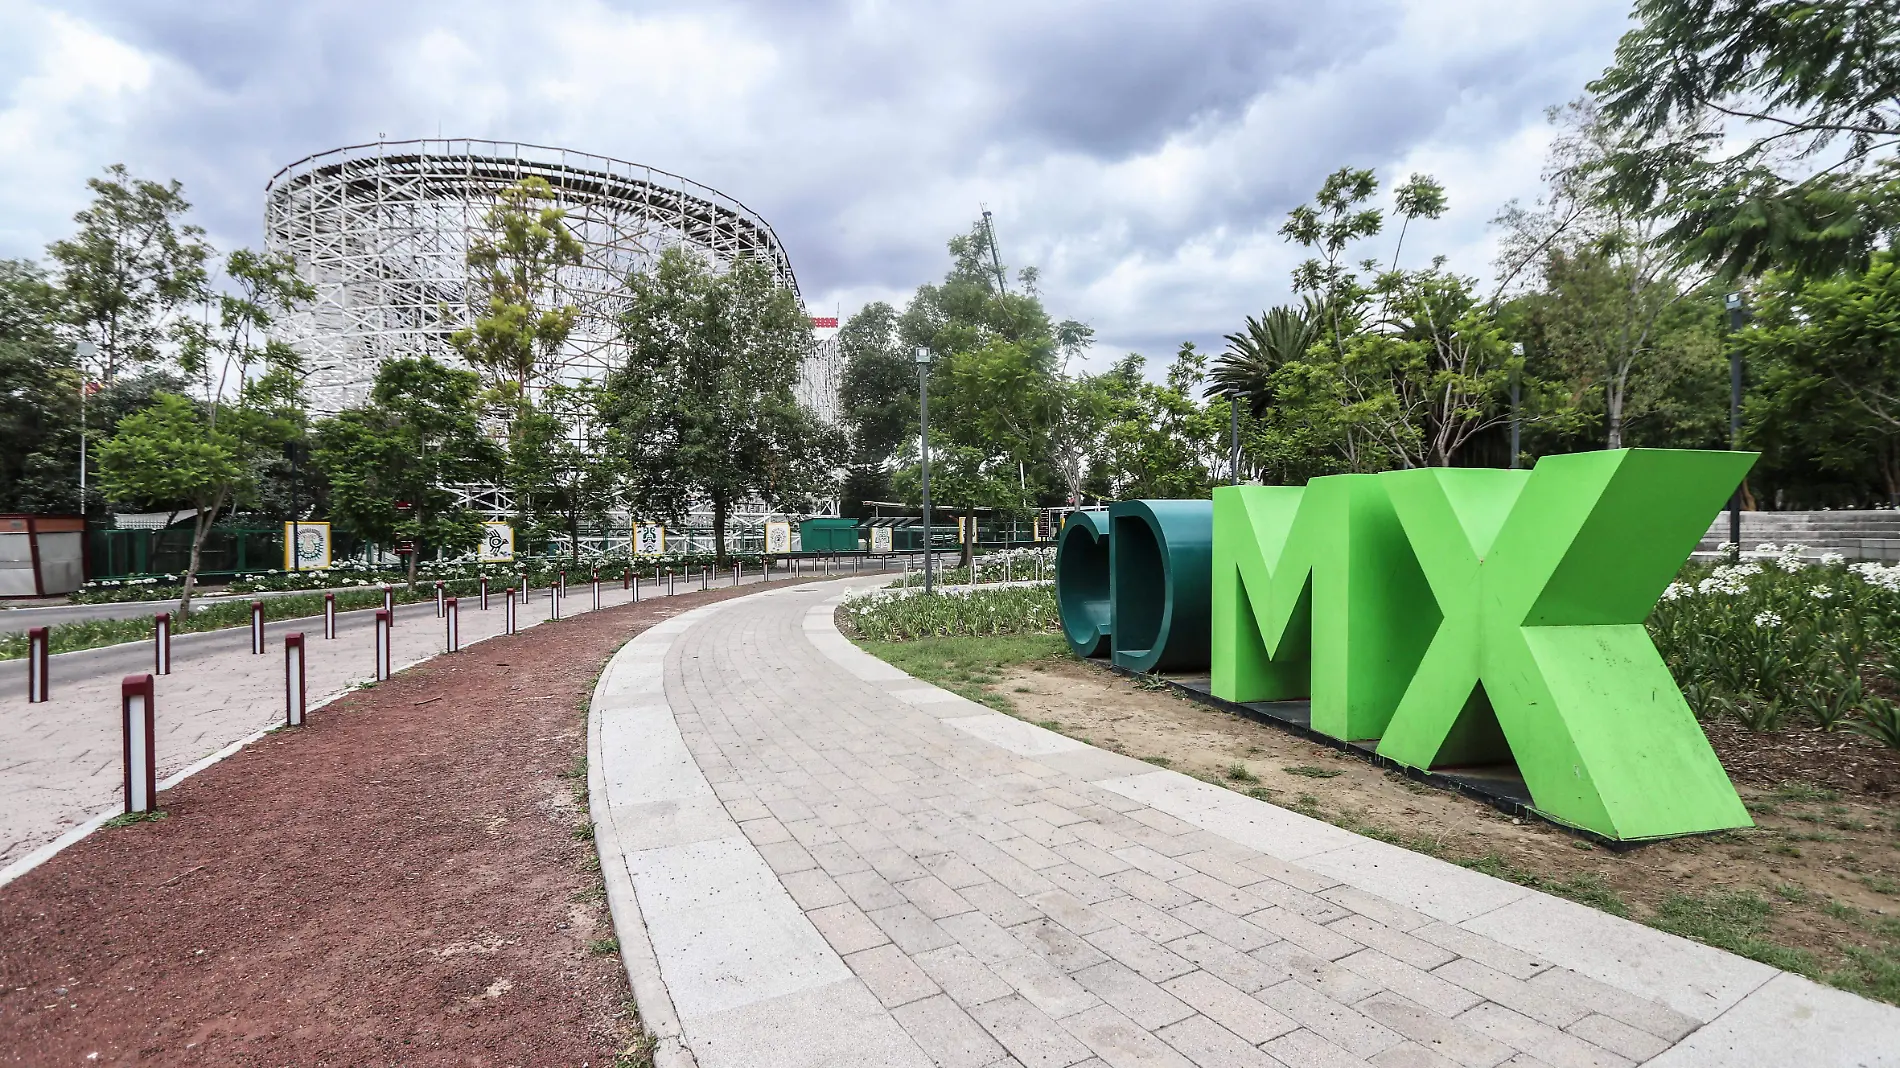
1543	581
1316	594
1160	558
1082	583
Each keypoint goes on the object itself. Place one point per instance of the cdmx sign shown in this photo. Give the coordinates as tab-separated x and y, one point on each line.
1452	616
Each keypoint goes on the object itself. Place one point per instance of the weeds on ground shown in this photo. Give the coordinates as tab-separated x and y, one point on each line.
604	947
129	818
1239	773
1157	761
1311	772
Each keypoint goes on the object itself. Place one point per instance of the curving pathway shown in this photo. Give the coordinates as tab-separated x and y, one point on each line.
815	859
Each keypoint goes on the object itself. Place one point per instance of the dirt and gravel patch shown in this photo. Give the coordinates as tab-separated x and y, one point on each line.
410	879
1815	886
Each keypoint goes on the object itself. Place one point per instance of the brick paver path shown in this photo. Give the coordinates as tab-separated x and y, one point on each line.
814	859
62	761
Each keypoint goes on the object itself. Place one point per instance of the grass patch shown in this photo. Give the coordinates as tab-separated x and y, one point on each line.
1239	773
1735	920
604	947
129	818
1157	761
1016	610
1587	888
967	666
1311	772
1801	791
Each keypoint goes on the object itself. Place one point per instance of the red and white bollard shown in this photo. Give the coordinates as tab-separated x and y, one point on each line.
438	598
257	628
37	688
452	627
626	579
484	593
554	602
389	601
736	573
634	586
596	591
705	577
162	644
669	582
329	616
141	759
508	620
382	644
294	689
563	582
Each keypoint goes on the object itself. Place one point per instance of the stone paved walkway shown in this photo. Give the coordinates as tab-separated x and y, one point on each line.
61	762
814	859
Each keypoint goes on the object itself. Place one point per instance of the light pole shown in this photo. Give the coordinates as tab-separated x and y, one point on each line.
83	352
1517	350
1233	438
1734	303
923	439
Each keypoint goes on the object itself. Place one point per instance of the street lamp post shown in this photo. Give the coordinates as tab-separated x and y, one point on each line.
1734	303
1233	438
83	352
923	438
1517	350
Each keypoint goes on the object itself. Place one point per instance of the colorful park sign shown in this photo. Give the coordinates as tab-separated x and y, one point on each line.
1459	616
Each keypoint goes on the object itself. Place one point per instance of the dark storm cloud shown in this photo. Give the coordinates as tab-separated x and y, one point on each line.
1141	153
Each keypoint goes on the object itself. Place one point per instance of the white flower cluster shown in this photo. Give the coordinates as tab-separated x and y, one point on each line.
1677	591
1767	619
1885	577
1832	559
1731	579
1789	559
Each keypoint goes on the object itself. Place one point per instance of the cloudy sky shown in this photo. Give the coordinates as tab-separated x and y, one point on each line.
1142	155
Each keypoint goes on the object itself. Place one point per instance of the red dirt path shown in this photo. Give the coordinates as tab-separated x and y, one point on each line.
399	882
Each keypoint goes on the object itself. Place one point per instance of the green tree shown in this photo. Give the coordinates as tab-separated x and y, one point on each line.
419	435
520	327
1160	442
131	266
1763	131
39	397
1827	400
223	445
705	407
878	397
563	471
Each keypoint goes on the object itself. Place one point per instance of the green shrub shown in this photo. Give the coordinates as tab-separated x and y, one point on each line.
888	617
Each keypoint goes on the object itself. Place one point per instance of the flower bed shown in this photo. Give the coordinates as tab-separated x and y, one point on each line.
1775	639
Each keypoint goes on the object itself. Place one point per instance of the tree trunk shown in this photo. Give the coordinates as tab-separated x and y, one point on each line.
969	538
574	536
200	528
415	551
719	528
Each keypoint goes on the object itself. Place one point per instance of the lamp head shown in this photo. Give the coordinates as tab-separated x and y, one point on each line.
922	356
1734	301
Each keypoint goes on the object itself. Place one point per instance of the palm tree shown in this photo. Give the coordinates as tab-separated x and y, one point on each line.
1268	343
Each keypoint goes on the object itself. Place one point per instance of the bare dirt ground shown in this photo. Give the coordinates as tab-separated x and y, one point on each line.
1825	853
410	879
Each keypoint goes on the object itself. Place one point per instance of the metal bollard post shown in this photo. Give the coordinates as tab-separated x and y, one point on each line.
329	616
257	628
669	582
484	593
735	575
634	586
554	602
452	625
596	591
508	624
382	644
293	680
162	644
389	601
626	579
705	576
439	592
37	688
141	762
563	582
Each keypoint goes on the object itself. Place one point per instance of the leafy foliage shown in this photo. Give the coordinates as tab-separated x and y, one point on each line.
892	616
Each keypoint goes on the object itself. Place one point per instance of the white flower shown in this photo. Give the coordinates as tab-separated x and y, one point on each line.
1767	619
1832	559
1768	547
1725	548
1677	590
1821	594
